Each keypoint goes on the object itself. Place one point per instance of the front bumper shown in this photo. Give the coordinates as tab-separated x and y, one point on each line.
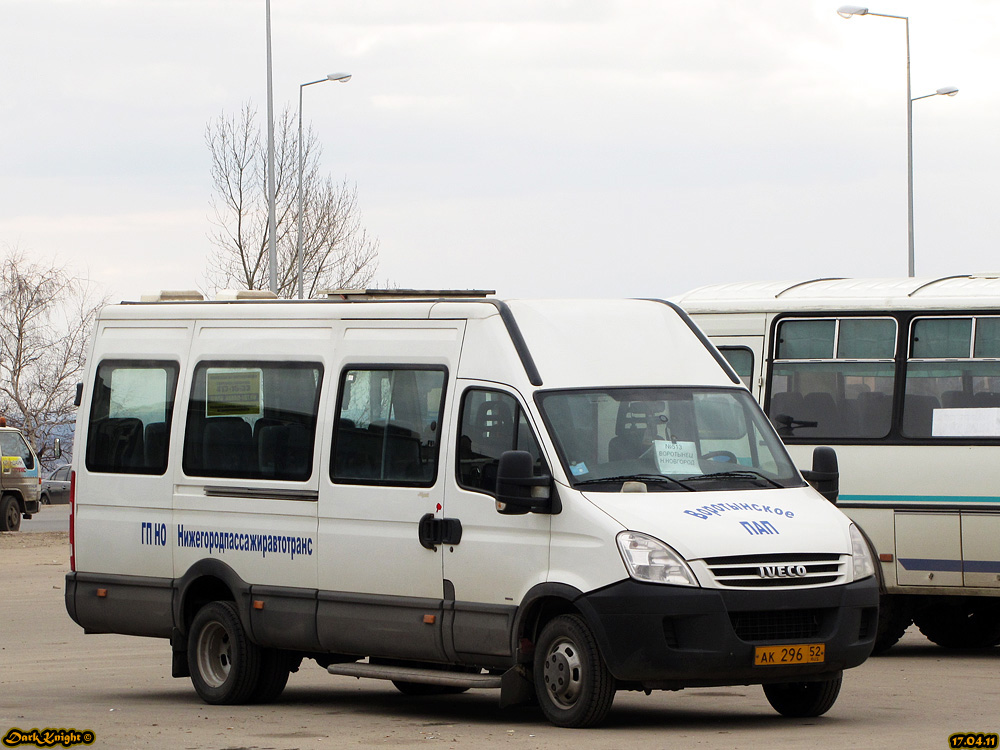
671	637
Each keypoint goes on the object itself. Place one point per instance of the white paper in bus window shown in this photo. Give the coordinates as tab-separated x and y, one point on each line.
966	422
676	458
233	393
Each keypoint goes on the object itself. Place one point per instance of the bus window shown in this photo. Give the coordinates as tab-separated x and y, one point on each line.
833	378
953	379
741	360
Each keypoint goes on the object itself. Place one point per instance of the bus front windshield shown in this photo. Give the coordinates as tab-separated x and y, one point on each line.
670	439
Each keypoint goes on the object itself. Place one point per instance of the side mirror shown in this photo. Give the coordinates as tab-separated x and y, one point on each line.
825	474
518	491
57	448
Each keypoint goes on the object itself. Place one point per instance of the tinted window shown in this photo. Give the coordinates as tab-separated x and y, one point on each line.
129	427
817	395
741	360
492	422
953	379
252	420
388	426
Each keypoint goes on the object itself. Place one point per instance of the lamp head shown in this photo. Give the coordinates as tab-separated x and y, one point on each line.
342	77
846	11
947	91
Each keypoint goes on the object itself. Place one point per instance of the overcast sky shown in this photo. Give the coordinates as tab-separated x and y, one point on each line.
568	148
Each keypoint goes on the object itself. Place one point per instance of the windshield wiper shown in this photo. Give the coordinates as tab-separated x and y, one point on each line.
662	478
741	474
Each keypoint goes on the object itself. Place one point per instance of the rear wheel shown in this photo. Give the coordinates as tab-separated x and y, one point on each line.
224	664
572	682
10	514
967	624
803	699
275	666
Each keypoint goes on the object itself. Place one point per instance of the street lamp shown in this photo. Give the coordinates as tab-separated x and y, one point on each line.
342	78
846	11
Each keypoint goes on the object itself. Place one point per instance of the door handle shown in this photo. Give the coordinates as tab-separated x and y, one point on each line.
433	531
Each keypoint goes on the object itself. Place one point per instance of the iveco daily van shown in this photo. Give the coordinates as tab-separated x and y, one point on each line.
559	499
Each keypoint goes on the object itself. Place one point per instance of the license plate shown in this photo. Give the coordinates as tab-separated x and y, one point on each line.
801	653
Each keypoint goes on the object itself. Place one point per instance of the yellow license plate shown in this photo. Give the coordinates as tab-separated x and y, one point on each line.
801	653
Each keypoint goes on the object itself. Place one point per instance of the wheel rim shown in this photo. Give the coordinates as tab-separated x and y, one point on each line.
563	673
214	654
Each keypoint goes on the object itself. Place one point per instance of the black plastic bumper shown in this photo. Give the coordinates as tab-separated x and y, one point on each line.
670	637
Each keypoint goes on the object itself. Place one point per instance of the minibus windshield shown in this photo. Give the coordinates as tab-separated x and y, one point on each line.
670	439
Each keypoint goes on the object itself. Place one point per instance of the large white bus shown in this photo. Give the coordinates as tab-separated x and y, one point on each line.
902	377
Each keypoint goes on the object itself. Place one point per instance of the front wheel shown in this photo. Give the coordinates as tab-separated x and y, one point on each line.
803	699
10	514
572	682
224	663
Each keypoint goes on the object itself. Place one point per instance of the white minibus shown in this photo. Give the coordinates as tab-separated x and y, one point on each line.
559	499
902	377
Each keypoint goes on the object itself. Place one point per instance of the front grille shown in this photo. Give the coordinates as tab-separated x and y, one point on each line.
794	570
781	625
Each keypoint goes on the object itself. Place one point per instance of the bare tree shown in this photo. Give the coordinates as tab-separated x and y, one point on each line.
46	317
337	251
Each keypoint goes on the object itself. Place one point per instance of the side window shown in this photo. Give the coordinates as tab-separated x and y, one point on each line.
252	420
953	379
129	427
388	426
15	450
492	422
741	360
833	378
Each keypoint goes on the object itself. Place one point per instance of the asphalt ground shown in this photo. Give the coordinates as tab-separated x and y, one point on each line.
119	687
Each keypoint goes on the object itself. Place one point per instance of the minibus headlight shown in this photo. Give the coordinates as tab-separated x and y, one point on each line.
862	557
649	559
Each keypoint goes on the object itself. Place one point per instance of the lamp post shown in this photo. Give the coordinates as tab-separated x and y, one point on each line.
342	78
847	11
272	251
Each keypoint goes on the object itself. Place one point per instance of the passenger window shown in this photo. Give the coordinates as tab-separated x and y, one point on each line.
953	379
833	378
492	422
129	427
388	426
252	420
14	449
740	358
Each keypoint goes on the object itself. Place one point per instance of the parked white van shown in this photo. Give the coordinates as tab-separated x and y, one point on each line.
555	498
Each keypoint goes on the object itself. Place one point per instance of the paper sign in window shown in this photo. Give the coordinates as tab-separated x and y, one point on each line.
983	422
233	393
676	458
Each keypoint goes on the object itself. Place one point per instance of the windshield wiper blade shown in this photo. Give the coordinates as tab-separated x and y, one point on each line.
636	478
741	474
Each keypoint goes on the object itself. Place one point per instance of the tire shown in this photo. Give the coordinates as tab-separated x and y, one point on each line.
225	666
275	666
44	499
894	617
803	699
421	688
572	682
967	624
10	514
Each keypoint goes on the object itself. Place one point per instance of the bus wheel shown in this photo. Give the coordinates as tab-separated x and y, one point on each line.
275	666
572	682
10	514
894	617
224	664
967	624
803	699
